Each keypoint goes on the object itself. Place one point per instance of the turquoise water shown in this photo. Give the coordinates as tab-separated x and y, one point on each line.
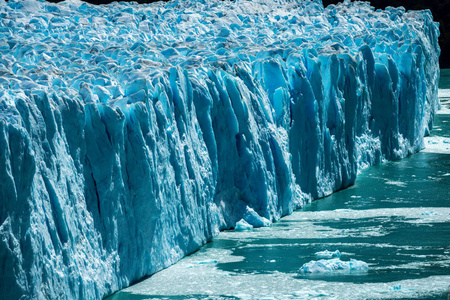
444	79
396	218
441	126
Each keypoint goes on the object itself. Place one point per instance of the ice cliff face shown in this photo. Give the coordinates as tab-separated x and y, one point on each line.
131	134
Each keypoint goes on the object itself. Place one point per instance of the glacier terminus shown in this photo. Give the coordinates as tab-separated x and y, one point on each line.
131	134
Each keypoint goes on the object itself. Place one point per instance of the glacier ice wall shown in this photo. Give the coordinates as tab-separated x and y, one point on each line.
131	134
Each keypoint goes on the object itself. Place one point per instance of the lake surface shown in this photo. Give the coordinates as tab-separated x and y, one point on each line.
396	218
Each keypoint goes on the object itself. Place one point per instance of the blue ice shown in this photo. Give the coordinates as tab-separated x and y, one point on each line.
130	135
333	265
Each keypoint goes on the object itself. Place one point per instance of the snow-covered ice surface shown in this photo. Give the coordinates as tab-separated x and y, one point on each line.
131	134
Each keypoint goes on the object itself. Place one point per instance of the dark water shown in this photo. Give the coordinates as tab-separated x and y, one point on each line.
444	79
441	126
396	218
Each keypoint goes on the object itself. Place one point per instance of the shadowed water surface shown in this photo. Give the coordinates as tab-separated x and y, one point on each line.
444	79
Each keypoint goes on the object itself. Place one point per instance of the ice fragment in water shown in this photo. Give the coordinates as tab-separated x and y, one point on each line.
328	254
243	225
333	265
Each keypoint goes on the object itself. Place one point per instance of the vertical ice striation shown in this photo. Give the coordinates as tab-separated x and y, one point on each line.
131	134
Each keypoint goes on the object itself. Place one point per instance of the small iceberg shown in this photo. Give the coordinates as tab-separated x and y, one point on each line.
254	219
333	265
242	225
328	254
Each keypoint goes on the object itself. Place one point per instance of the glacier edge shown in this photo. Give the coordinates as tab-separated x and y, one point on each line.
132	134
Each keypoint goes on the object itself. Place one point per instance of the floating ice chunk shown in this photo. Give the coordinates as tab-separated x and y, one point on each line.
397	183
242	225
328	254
333	265
254	219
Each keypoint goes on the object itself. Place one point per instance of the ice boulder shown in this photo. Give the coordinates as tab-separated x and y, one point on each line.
252	218
132	134
333	265
328	254
242	225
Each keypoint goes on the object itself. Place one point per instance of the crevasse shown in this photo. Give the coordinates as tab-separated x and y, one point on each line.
131	134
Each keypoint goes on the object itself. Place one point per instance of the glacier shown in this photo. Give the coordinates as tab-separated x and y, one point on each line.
131	134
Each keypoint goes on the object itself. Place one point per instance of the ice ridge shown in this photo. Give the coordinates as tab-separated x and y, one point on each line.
131	134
